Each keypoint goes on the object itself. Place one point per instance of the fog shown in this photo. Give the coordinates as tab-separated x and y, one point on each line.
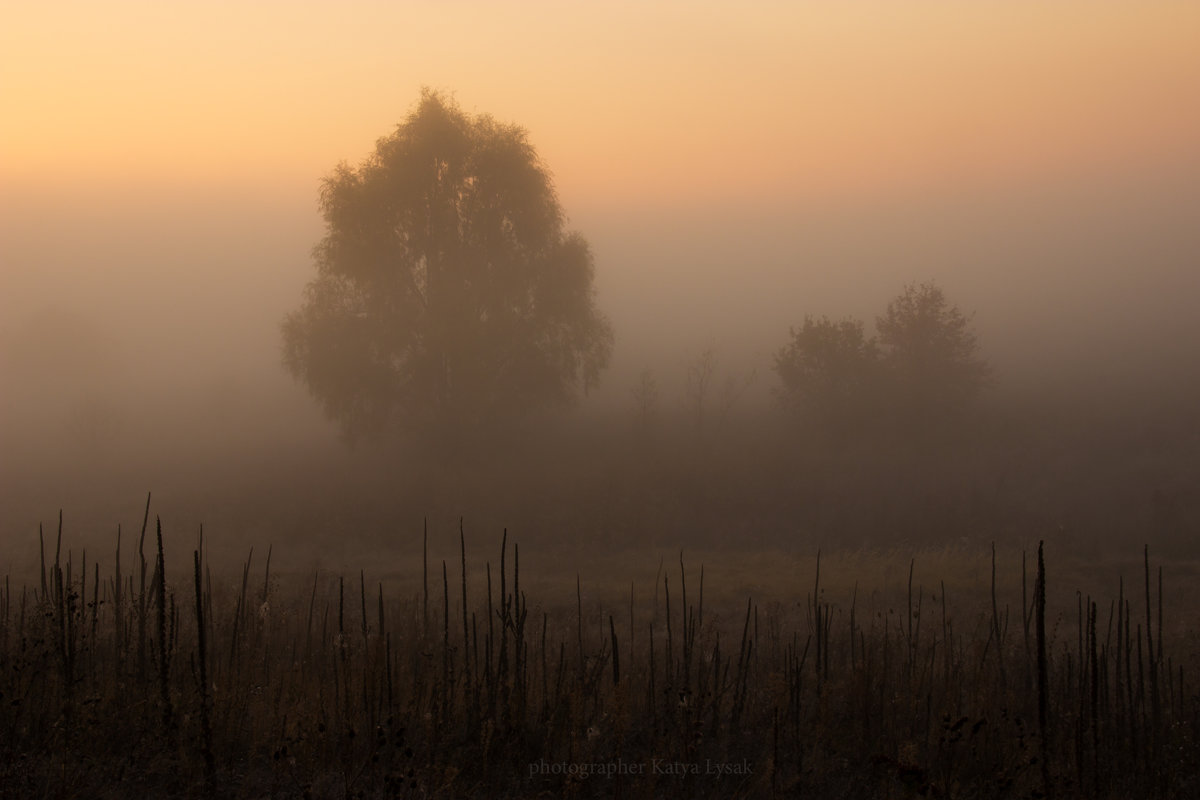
893	310
1077	280
141	352
733	172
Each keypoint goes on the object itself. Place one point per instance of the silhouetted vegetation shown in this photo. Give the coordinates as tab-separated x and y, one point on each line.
930	355
453	310
923	367
166	681
448	297
829	373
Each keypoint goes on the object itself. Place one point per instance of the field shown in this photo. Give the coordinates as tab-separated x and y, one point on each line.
952	672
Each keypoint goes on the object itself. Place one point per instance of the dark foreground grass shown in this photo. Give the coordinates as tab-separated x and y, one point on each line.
127	683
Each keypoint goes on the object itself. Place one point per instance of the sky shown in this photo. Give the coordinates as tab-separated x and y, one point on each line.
735	167
664	102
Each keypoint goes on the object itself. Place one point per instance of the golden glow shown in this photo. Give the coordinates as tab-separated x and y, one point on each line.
626	103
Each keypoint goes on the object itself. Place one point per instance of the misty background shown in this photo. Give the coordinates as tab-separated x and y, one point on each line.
140	351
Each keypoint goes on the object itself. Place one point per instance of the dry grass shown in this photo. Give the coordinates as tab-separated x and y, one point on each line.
712	675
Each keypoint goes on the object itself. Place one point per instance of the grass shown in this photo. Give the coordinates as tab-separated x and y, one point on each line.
951	674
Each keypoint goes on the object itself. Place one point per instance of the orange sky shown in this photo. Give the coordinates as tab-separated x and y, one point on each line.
734	166
627	102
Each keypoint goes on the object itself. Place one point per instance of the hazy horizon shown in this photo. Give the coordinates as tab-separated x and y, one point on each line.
733	169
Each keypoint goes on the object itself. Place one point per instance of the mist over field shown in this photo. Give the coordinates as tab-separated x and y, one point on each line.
800	400
142	352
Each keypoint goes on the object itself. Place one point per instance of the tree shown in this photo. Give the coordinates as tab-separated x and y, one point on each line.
698	384
448	295
930	354
645	401
698	391
922	367
829	371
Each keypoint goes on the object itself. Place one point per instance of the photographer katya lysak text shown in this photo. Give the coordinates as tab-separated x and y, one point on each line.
655	766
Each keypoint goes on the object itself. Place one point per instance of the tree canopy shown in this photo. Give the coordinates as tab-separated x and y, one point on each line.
930	353
448	293
828	370
922	365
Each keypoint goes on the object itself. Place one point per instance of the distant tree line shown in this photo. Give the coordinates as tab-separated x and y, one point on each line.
449	299
921	367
